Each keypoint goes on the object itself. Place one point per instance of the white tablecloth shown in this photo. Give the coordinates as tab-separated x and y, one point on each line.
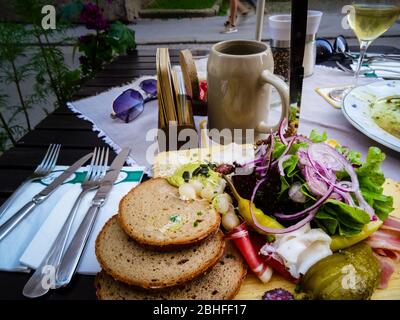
316	113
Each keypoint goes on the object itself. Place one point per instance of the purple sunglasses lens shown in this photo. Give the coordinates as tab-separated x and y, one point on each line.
128	105
149	86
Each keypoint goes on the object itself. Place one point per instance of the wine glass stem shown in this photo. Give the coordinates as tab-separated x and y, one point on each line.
363	49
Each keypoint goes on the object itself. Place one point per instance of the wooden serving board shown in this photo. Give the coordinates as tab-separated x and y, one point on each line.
253	289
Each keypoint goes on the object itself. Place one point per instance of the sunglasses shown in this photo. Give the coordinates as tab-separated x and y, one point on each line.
325	50
130	103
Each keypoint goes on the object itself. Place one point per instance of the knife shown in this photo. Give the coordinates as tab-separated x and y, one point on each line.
22	213
70	261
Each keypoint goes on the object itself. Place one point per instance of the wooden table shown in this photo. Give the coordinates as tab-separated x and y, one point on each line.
77	139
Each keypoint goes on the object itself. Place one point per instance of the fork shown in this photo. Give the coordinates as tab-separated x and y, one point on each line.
35	287
43	169
344	68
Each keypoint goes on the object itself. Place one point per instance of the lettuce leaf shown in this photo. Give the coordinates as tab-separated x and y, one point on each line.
336	217
279	148
371	180
353	156
316	137
290	169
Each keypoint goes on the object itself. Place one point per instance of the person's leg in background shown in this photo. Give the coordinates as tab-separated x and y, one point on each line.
230	25
253	3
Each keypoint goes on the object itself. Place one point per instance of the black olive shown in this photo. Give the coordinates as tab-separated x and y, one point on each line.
196	171
186	176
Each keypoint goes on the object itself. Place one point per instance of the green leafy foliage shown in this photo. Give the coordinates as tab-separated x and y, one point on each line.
11	37
109	40
316	137
337	217
371	180
10	132
70	11
122	38
51	76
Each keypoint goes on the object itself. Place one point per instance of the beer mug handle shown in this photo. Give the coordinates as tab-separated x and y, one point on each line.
267	77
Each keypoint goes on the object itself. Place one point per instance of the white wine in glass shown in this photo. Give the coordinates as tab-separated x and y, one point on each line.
368	20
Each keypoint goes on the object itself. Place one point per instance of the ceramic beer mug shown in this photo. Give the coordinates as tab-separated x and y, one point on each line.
239	79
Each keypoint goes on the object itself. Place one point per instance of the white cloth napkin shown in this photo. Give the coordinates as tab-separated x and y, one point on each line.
389	65
40	245
28	243
16	242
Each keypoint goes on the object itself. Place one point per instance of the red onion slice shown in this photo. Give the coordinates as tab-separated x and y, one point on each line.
280	164
329	154
302	213
315	183
282	130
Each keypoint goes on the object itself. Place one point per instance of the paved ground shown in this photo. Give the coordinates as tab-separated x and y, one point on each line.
207	30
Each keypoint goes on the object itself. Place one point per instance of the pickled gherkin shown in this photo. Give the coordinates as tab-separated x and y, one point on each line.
349	274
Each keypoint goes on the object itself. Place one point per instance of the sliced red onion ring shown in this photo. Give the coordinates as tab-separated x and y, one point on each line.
280	164
327	166
347	198
364	204
302	213
295	193
330	153
315	183
282	130
294	227
327	156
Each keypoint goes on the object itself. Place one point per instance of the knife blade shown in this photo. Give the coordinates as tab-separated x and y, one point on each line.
22	213
112	175
70	260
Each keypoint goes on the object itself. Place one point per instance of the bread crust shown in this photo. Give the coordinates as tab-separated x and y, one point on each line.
190	276
164	245
232	294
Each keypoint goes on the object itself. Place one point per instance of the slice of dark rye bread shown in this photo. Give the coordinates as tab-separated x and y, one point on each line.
126	260
153	215
223	281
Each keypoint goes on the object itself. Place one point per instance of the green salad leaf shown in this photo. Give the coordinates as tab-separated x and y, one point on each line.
371	180
290	169
336	217
279	148
316	137
353	156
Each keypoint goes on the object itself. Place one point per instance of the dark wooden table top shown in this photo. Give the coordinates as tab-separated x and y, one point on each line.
77	139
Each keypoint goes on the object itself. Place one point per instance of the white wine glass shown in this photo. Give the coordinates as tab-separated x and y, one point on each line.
368	19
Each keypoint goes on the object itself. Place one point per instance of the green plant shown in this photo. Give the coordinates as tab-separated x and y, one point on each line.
223	9
30	10
52	74
11	37
108	41
10	132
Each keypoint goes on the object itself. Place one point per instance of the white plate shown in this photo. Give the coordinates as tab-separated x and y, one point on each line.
357	110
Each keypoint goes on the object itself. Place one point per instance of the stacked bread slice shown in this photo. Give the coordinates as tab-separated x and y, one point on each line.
161	247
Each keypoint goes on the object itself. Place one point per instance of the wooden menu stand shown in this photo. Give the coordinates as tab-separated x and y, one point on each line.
170	135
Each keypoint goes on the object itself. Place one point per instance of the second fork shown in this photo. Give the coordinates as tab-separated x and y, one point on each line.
35	287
